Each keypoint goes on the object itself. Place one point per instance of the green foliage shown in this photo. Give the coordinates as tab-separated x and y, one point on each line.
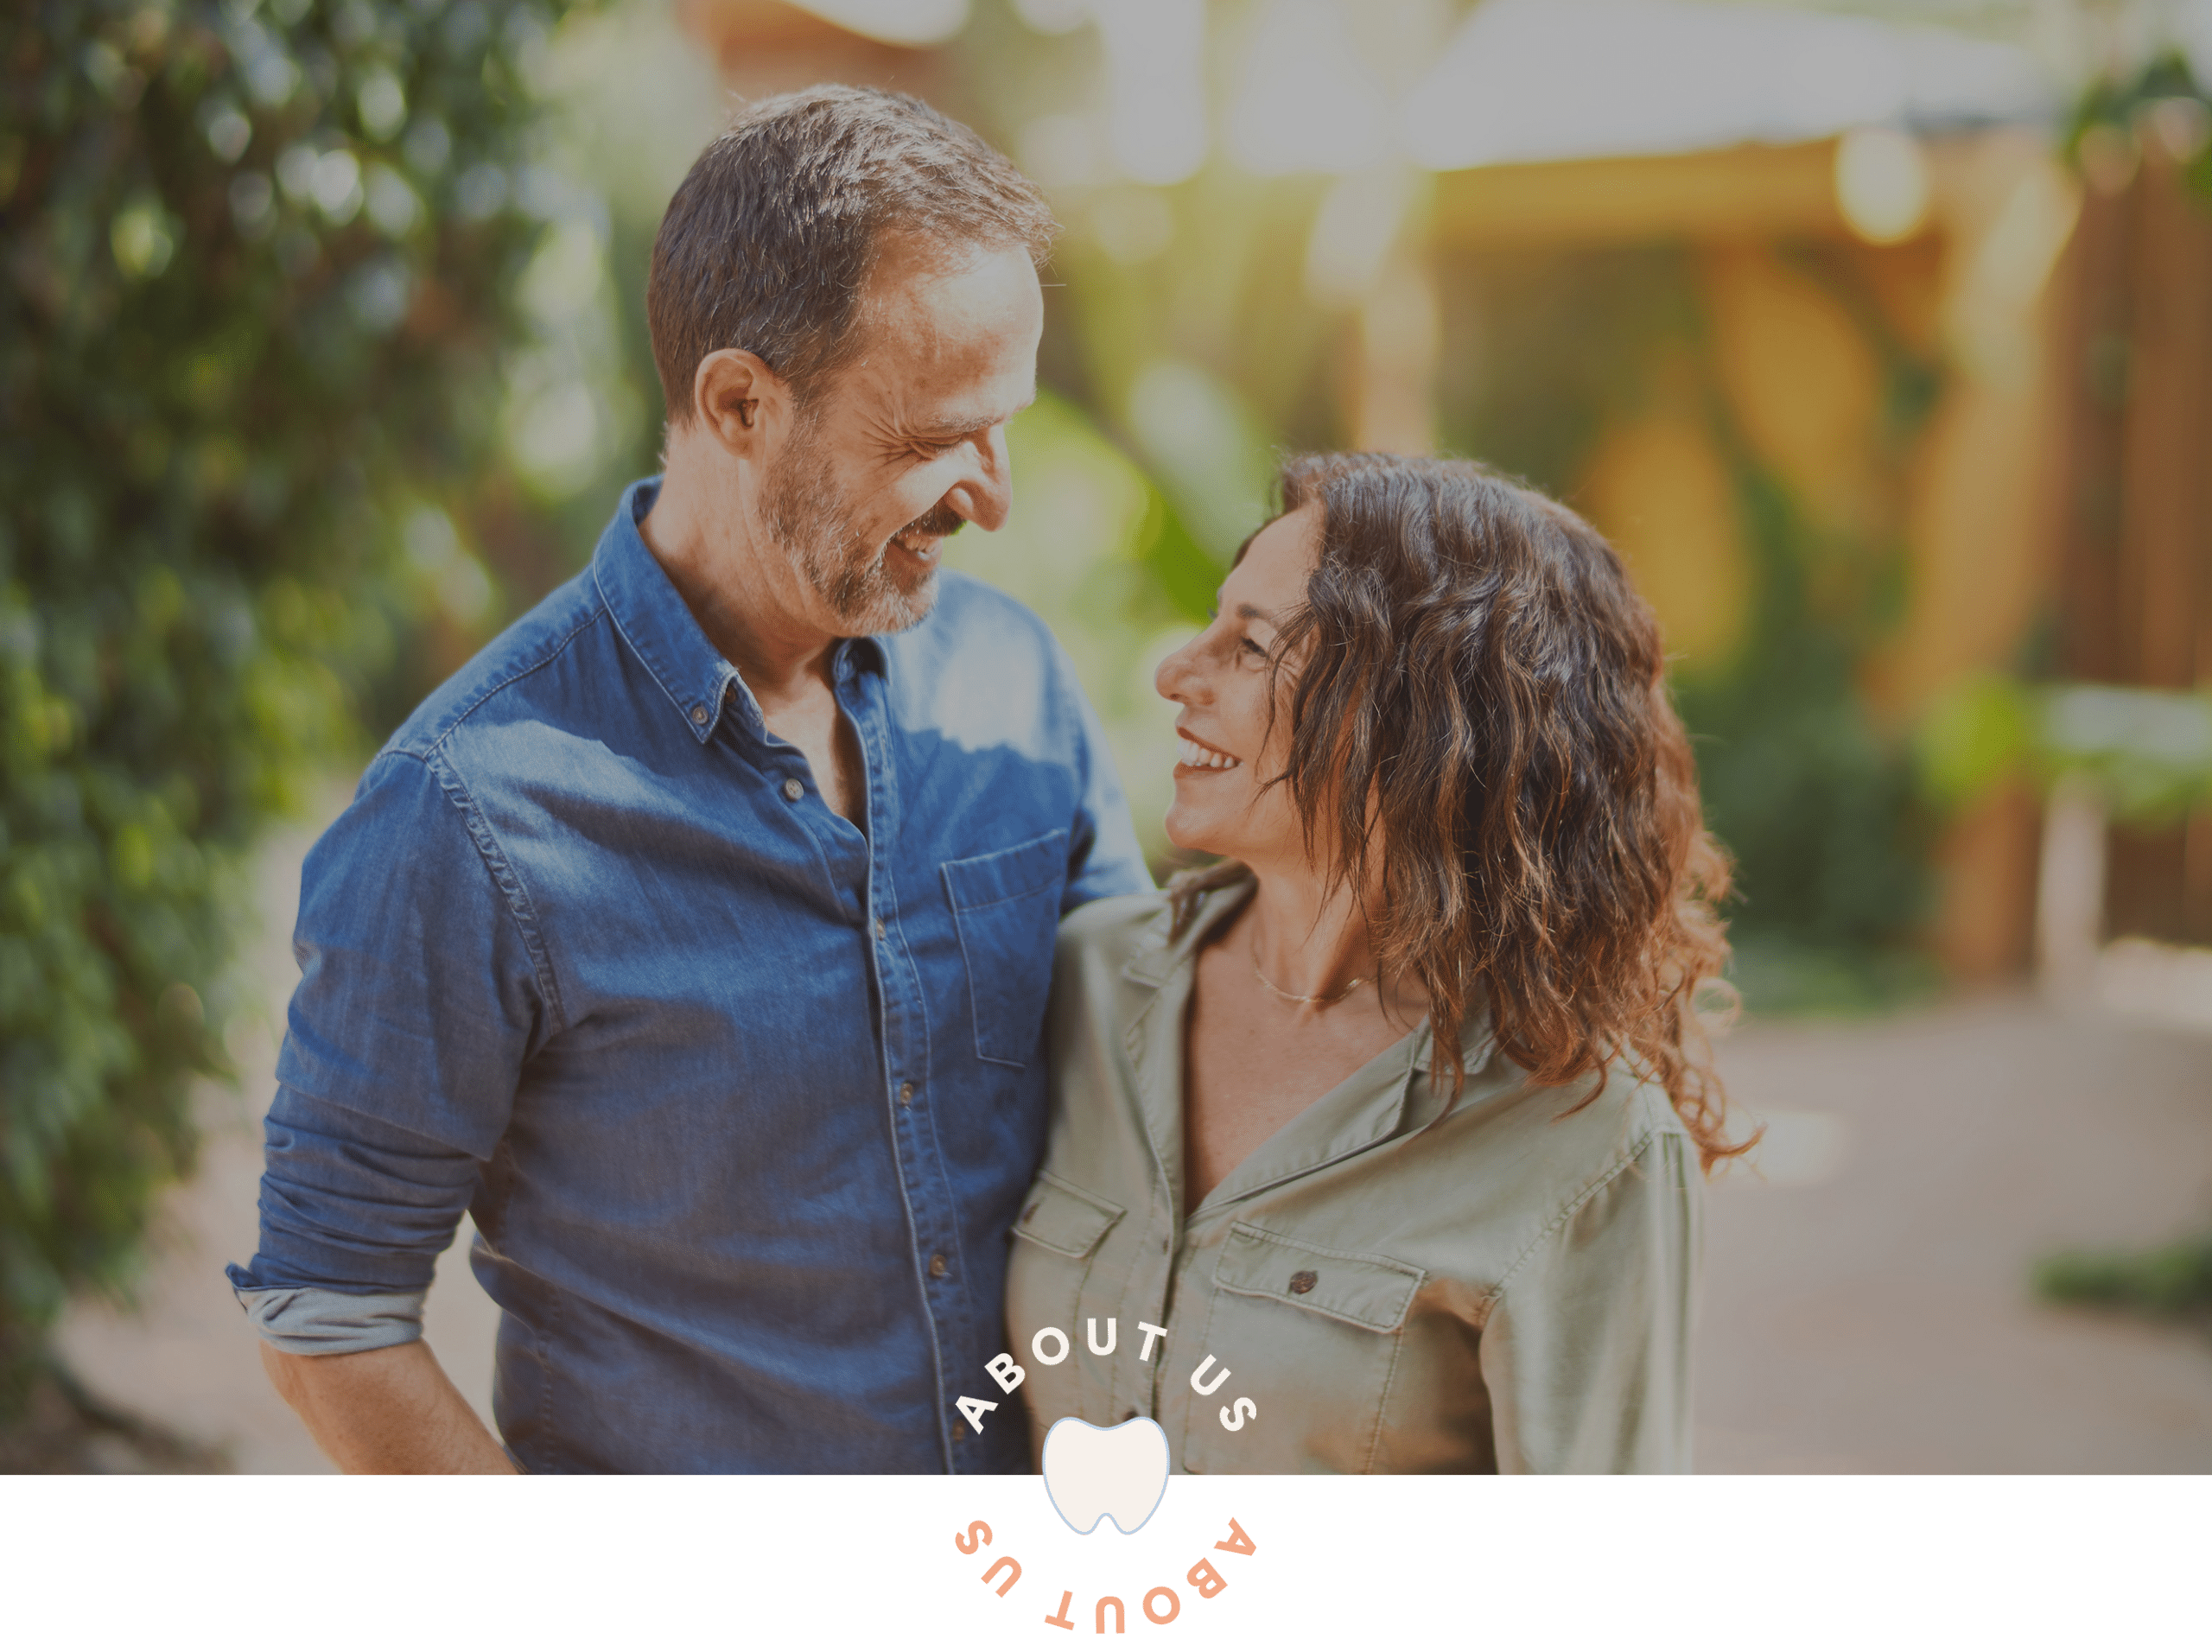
256	291
1973	740
1819	807
2145	752
2163	103
2167	1283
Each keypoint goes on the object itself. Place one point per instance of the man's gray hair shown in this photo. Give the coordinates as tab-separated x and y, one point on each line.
771	237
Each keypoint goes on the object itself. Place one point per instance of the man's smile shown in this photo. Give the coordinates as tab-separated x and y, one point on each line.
923	538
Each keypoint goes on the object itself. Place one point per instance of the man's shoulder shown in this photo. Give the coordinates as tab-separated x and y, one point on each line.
984	670
507	670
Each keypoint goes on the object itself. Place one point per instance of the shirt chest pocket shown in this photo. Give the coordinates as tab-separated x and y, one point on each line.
1064	1227
1007	908
1058	1238
1312	1334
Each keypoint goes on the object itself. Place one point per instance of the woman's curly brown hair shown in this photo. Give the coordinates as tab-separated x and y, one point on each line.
1481	700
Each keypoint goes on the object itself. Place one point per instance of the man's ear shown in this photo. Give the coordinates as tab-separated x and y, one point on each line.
738	399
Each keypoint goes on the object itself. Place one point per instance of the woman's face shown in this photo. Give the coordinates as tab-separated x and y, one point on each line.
1221	680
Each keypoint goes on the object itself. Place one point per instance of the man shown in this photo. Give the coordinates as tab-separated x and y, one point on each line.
696	936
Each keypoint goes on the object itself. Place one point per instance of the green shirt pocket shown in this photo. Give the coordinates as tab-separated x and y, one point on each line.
1357	1287
1061	1229
1065	1219
1311	1335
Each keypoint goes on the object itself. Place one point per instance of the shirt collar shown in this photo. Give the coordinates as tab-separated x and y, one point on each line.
659	627
1161	953
862	654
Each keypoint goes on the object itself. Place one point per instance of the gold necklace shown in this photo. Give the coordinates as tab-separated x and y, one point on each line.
1347	991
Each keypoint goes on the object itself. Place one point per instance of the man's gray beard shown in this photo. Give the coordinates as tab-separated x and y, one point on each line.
805	513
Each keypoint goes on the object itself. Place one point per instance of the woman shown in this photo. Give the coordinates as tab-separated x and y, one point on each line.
1390	1125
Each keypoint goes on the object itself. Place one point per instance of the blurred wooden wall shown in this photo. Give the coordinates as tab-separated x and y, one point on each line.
2135	562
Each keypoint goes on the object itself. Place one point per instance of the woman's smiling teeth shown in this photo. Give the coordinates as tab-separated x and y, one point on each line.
1196	756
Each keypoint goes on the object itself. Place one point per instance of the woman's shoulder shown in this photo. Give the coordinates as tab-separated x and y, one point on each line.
1638	1105
1113	931
1567	1139
1100	981
1630	1110
1149	935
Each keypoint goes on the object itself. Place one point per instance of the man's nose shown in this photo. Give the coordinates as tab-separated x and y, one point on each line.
985	495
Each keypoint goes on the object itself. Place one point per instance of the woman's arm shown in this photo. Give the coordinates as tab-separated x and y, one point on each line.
1587	1352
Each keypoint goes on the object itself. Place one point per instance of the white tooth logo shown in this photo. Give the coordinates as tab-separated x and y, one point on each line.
1093	1474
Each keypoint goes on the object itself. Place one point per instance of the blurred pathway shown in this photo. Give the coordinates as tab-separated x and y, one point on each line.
1867	1306
1866	1303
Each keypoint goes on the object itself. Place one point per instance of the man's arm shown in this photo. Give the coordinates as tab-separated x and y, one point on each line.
419	1000
388	1411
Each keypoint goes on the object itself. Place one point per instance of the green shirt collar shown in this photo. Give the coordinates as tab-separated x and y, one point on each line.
1389	1095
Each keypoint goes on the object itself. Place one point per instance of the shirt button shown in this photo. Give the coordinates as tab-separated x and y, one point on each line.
794	790
699	714
960	1431
939	1269
1303	1280
906	1094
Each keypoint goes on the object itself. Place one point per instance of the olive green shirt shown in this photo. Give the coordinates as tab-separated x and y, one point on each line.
1396	1282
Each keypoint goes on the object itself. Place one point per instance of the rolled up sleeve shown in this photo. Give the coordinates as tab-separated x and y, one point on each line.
424	987
1587	1350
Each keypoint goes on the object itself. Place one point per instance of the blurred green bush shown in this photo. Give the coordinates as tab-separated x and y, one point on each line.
2168	1282
2145	753
259	268
2112	113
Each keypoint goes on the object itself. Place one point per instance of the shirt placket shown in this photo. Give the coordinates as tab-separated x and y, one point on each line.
933	1214
1154	1048
1169	1273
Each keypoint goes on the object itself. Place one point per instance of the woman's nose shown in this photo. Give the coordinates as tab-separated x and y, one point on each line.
1177	677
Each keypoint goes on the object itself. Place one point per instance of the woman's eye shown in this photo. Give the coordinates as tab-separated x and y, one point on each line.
1248	650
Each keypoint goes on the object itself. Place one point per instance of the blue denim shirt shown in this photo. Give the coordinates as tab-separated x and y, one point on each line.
742	1097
